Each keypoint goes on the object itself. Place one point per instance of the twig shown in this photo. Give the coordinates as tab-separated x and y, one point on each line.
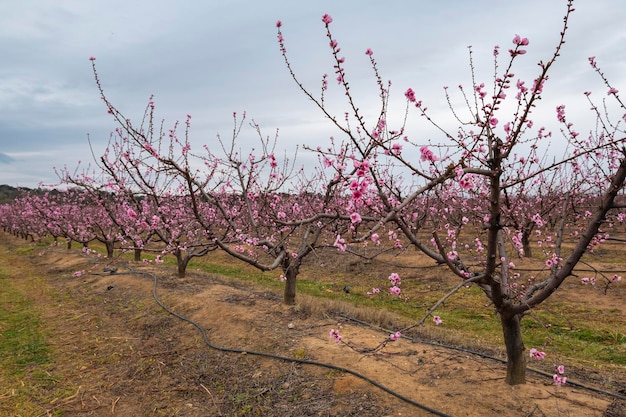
441	301
113	405
9	393
212	398
65	400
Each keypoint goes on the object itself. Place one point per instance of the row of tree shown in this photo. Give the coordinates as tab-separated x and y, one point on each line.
474	201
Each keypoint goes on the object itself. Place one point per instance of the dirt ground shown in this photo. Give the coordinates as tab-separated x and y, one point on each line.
118	353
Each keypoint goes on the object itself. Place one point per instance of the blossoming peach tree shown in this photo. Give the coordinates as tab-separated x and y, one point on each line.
253	204
488	178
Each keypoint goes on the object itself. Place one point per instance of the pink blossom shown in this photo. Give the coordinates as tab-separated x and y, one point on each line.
466	183
536	354
327	19
394	278
559	380
427	154
279	23
282	278
395	291
158	259
374	291
395	336
437	320
92	58
613	91
518	40
560	113
558	377
369	52
334	334
410	95
355	218
375	238
340	243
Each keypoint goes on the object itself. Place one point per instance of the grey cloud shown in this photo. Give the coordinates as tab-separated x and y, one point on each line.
209	59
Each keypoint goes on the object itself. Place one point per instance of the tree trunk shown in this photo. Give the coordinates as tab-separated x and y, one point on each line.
137	255
290	285
182	264
515	357
110	248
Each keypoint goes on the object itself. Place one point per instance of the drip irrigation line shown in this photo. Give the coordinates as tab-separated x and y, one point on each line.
484	355
284	358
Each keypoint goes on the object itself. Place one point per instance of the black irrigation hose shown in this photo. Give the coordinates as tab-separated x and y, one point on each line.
484	355
284	358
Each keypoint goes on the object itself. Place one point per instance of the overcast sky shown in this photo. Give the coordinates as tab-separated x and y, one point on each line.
211	58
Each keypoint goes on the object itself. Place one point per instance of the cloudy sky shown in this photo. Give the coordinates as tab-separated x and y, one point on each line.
211	58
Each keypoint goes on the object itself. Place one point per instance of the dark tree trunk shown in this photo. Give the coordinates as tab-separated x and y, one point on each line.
69	244
137	255
515	357
110	248
182	264
290	285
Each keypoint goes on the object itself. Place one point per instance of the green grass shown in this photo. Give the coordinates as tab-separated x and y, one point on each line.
25	356
578	335
22	344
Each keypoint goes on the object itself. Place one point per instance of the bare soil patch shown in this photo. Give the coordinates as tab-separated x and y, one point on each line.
117	352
